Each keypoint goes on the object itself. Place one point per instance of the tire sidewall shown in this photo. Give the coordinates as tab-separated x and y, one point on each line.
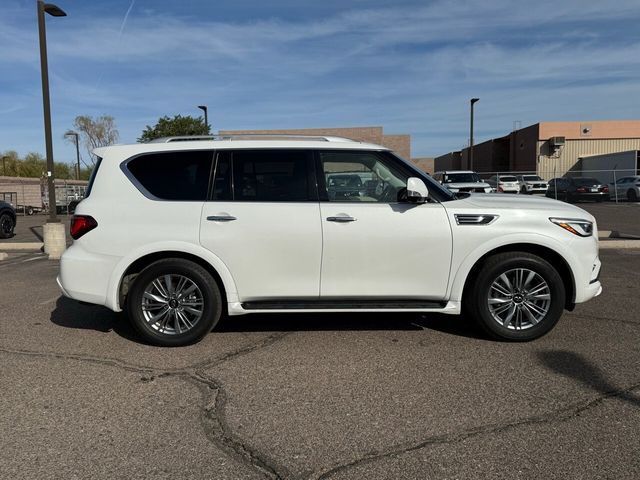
205	282
542	268
3	218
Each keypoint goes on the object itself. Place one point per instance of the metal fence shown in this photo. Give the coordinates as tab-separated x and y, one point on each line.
30	195
614	179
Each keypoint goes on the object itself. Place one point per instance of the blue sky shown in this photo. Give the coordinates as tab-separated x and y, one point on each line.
408	66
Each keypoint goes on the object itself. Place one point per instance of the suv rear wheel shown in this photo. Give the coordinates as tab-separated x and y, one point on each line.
174	302
516	296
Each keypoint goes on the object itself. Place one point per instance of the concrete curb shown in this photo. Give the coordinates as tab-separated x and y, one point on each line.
615	244
3	256
21	246
616	234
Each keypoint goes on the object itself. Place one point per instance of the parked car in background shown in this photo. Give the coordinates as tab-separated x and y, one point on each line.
626	188
577	188
504	183
462	181
532	184
7	219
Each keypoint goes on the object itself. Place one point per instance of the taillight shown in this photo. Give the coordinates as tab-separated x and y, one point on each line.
581	189
605	189
81	224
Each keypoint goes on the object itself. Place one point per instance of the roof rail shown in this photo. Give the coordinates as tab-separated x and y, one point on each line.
250	136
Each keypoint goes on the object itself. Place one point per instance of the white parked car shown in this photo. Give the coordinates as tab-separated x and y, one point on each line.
626	188
504	184
532	184
462	181
176	233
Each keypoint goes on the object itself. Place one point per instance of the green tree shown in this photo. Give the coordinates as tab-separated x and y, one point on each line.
33	165
176	126
100	132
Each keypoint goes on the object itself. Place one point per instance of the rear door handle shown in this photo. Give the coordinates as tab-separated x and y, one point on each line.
221	218
341	219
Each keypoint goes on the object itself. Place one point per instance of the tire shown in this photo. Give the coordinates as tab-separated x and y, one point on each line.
632	196
30	211
486	298
174	314
7	224
523	190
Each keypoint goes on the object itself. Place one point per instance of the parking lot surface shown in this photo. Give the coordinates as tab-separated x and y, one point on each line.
332	396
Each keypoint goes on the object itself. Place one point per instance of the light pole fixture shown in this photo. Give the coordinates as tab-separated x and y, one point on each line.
54	11
472	101
206	120
75	134
4	165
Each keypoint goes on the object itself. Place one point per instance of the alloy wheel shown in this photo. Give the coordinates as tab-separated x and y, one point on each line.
519	299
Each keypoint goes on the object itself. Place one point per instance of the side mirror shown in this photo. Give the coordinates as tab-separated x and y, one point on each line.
417	191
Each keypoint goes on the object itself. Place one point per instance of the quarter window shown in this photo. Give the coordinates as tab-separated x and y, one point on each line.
179	175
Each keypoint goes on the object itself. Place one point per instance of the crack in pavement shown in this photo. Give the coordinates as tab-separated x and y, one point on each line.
561	415
212	418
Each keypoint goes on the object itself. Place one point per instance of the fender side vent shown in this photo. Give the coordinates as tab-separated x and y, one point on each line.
475	219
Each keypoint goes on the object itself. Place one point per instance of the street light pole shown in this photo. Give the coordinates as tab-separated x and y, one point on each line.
206	120
74	134
4	165
473	100
54	11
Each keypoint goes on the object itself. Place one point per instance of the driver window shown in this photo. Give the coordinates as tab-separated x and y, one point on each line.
360	177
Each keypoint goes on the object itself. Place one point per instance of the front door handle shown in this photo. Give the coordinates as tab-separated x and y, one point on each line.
221	218
341	219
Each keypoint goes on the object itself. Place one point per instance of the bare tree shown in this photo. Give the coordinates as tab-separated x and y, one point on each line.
96	133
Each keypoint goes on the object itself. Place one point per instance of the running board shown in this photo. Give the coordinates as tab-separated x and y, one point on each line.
352	304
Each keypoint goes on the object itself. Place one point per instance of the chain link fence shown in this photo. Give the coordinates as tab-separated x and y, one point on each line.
621	184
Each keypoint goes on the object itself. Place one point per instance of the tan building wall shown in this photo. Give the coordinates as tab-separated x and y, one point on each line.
565	159
595	130
400	144
426	164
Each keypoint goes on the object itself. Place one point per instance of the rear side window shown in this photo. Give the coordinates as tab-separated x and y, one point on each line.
92	178
264	176
173	175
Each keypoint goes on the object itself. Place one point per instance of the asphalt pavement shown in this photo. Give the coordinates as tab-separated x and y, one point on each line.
331	396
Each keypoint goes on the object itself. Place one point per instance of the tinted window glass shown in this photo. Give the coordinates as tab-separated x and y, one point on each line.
223	182
92	178
271	175
174	175
461	178
584	181
361	177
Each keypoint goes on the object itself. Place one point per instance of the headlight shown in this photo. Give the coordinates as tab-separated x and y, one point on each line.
582	228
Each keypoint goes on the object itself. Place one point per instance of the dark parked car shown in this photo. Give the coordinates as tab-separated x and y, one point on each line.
7	219
578	188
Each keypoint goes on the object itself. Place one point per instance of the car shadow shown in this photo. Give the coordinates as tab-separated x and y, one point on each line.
577	367
71	314
36	233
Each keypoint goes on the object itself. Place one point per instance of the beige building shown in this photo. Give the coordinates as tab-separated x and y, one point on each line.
548	148
400	144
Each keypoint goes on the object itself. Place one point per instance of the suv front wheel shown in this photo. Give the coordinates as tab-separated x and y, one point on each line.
516	296
174	302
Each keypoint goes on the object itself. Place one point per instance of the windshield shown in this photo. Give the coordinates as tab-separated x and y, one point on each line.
461	178
438	191
532	178
507	178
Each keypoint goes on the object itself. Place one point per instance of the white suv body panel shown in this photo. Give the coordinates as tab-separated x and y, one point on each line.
132	226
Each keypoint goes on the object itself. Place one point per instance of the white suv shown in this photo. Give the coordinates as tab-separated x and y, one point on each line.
179	232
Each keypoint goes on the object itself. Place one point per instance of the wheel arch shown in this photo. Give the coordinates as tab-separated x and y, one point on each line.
135	263
545	252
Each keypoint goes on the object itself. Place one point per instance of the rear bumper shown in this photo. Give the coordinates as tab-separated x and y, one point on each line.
84	276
